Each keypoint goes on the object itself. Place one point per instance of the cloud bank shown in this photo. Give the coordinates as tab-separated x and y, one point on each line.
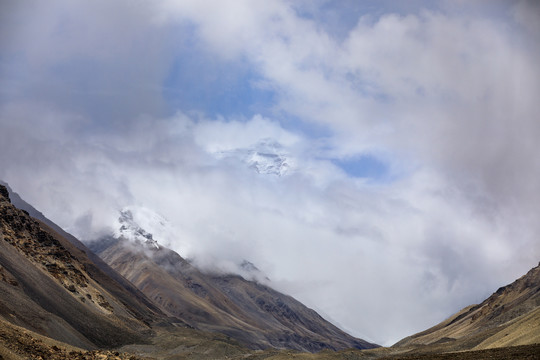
106	105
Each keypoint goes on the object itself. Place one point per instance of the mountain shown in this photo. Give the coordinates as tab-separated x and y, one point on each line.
130	230
250	312
53	288
59	300
52	285
509	317
94	265
266	157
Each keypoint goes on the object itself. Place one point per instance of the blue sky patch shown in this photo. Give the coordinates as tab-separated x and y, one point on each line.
365	166
199	81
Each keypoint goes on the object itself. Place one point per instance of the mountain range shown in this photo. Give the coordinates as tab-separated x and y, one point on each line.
55	286
126	296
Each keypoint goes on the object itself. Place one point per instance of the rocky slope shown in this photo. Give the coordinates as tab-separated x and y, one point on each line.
252	313
509	317
51	287
113	282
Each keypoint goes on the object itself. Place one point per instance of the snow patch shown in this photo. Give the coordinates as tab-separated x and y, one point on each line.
266	157
142	225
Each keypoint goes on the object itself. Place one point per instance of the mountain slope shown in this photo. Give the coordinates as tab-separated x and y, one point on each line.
52	288
509	317
113	282
254	314
54	285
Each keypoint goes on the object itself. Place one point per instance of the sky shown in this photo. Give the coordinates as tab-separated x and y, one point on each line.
409	128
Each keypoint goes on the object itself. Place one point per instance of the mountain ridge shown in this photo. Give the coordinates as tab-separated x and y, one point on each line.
48	289
93	263
57	302
509	317
92	310
253	313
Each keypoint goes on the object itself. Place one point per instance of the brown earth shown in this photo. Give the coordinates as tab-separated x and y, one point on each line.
525	352
47	287
509	317
17	343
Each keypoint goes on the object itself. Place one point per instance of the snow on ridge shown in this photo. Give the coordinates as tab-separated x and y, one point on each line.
142	225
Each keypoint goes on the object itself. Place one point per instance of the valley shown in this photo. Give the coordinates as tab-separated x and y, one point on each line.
135	299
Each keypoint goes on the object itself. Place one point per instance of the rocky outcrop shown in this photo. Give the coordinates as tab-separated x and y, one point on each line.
4	194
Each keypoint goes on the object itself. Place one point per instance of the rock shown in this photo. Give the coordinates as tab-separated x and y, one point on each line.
4	194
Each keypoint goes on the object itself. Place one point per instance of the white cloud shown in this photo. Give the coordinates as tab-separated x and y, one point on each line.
220	135
446	99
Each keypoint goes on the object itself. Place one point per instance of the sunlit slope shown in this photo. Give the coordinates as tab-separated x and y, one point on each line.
509	317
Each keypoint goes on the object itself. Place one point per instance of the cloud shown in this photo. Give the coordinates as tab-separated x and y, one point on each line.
443	98
223	135
102	59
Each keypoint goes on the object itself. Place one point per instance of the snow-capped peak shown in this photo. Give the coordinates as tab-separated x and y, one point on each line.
140	225
266	157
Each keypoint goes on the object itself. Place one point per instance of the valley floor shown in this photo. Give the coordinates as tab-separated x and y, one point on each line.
17	343
526	352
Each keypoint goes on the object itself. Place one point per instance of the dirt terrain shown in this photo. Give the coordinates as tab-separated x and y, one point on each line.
18	343
528	352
